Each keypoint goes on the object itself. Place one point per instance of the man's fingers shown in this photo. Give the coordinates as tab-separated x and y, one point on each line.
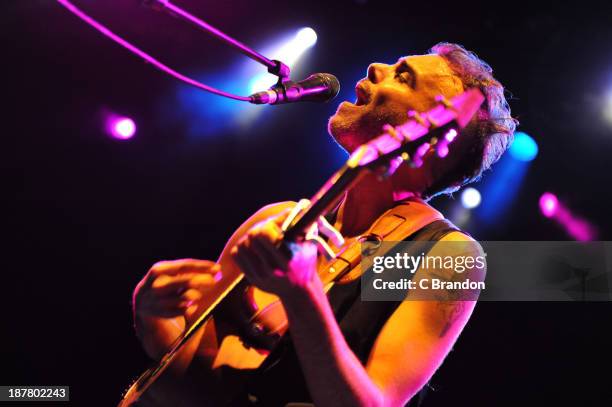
282	216
171	306
269	253
286	217
247	263
190	296
176	267
166	308
328	230
164	270
177	285
267	231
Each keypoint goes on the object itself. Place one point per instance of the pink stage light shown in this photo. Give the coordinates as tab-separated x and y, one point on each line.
121	128
549	204
576	227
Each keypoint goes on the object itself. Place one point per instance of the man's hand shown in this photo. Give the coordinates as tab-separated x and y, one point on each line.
271	270
173	288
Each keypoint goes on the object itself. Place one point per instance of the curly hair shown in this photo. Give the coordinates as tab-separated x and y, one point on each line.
490	131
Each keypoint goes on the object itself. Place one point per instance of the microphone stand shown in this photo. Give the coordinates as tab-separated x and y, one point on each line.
275	67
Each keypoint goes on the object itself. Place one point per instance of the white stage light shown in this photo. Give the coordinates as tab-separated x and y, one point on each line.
288	52
470	198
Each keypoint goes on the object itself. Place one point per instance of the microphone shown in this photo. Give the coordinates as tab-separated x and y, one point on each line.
318	87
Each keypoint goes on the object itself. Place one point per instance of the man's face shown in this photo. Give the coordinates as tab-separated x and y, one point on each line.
388	93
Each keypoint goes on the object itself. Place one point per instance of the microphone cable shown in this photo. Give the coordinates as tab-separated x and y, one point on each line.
148	58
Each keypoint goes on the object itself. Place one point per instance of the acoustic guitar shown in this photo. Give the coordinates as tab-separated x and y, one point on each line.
261	321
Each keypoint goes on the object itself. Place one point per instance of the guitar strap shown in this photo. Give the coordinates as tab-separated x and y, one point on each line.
395	224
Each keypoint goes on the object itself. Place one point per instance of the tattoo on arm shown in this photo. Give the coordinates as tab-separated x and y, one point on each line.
450	311
452	304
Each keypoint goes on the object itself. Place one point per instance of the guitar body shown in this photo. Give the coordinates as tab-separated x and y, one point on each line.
250	320
244	327
235	326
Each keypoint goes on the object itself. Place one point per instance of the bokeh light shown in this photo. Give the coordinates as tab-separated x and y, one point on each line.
607	109
549	204
470	198
578	228
125	128
524	147
121	128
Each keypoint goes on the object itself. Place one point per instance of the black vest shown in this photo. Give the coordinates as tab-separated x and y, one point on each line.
280	379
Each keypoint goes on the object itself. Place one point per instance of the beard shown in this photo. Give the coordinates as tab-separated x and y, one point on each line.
352	126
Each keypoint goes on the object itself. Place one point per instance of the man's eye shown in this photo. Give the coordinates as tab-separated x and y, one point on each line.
403	77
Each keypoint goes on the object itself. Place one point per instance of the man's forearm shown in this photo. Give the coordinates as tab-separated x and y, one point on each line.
155	334
334	375
181	383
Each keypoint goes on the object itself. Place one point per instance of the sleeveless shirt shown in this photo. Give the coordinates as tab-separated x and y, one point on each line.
280	379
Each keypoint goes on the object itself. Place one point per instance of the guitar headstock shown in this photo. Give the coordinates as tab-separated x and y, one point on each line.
409	142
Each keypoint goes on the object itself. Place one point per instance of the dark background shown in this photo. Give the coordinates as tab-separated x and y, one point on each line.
86	215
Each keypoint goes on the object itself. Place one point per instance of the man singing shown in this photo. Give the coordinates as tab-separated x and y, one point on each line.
339	350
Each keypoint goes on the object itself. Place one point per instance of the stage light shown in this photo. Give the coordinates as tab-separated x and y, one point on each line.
524	147
549	204
203	114
125	128
579	229
460	216
288	52
575	226
470	198
119	127
607	110
306	37
501	188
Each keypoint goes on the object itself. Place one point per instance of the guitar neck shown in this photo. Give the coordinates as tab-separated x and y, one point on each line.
408	142
324	200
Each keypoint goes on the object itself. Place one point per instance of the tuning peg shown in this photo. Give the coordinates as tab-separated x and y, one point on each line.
390	130
394	165
451	135
413	114
442	147
417	158
444	101
405	133
442	150
388	170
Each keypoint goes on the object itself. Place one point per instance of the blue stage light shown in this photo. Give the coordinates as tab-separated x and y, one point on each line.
203	114
500	189
524	147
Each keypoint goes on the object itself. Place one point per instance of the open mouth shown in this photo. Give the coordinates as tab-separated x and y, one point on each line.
362	95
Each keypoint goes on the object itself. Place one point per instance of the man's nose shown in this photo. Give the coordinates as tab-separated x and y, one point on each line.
377	72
